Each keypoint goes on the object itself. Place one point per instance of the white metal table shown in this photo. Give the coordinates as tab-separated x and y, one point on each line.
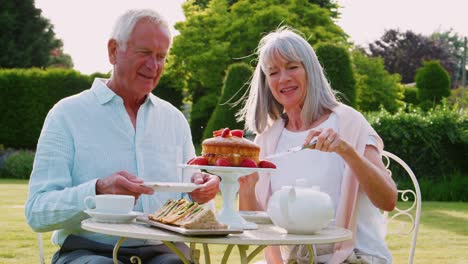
262	237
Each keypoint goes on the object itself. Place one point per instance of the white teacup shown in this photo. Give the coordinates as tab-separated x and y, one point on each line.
110	203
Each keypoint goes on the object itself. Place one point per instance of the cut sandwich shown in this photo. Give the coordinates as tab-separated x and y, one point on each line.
190	215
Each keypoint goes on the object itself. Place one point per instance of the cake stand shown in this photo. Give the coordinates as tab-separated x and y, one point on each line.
229	187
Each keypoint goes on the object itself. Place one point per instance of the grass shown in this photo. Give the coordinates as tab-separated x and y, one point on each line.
443	233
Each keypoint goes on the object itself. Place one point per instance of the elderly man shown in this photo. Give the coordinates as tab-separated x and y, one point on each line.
109	140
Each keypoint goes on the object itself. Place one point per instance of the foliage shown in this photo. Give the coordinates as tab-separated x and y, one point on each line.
455	45
60	60
375	86
459	97
404	53
213	37
433	143
170	87
411	95
26	96
18	165
337	65
433	83
234	87
27	39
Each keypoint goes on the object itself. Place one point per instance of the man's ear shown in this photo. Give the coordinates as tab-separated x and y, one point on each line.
112	51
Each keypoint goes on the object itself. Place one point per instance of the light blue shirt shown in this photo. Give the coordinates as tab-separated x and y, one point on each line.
90	136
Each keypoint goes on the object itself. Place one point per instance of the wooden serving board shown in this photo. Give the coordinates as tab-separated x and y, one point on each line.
189	232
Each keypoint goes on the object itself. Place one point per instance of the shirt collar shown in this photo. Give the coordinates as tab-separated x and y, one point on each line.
104	94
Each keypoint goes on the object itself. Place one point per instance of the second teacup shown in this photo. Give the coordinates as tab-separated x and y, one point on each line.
110	203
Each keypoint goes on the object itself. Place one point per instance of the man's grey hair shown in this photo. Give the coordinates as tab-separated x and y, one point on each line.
261	108
126	22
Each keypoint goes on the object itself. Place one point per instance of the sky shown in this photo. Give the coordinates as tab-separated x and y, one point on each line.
84	26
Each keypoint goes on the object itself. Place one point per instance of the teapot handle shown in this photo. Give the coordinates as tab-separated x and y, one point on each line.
286	199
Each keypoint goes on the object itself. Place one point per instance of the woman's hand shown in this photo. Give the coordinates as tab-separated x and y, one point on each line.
328	140
368	166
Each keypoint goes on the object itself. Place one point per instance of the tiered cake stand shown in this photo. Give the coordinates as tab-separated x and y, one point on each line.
229	187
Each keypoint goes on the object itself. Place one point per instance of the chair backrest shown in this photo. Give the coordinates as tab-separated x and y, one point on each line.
41	248
411	212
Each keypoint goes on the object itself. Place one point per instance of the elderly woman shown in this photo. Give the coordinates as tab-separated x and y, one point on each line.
290	103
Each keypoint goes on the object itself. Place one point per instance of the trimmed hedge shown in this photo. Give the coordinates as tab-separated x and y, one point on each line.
18	165
433	83
234	84
26	96
434	144
336	62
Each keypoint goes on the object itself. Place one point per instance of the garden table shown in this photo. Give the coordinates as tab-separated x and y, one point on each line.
262	237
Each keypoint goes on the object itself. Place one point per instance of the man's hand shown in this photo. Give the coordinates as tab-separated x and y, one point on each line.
209	191
122	182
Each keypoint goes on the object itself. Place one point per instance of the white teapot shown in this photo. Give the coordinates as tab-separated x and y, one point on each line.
300	210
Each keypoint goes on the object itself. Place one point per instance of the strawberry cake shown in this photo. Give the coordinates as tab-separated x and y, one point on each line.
230	148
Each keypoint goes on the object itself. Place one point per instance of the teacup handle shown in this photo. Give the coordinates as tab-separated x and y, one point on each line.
286	199
86	202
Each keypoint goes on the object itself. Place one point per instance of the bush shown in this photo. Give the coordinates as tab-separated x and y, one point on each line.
237	77
434	144
411	95
206	104
433	83
26	96
18	165
337	65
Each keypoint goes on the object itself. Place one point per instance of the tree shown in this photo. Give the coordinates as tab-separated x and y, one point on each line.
337	65
375	86
455	45
404	52
234	87
26	38
214	37
433	83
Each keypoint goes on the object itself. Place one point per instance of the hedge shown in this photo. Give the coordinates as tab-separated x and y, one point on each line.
27	95
434	144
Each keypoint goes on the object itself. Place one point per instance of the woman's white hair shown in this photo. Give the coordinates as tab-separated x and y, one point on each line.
126	22
261	108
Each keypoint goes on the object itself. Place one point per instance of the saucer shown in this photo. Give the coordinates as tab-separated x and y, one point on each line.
258	217
112	218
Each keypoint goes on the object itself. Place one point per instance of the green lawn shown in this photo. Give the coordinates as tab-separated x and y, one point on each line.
443	233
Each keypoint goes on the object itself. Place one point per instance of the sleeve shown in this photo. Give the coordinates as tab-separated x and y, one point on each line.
53	202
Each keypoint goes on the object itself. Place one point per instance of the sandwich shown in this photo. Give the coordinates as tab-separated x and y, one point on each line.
190	215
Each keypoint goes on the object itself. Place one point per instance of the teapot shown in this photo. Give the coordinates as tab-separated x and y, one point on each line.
300	209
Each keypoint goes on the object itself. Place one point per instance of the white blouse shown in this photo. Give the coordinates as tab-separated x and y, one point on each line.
325	170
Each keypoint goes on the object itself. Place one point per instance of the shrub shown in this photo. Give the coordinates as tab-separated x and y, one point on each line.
337	65
204	105
18	165
433	83
375	86
433	143
237	76
26	96
411	95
